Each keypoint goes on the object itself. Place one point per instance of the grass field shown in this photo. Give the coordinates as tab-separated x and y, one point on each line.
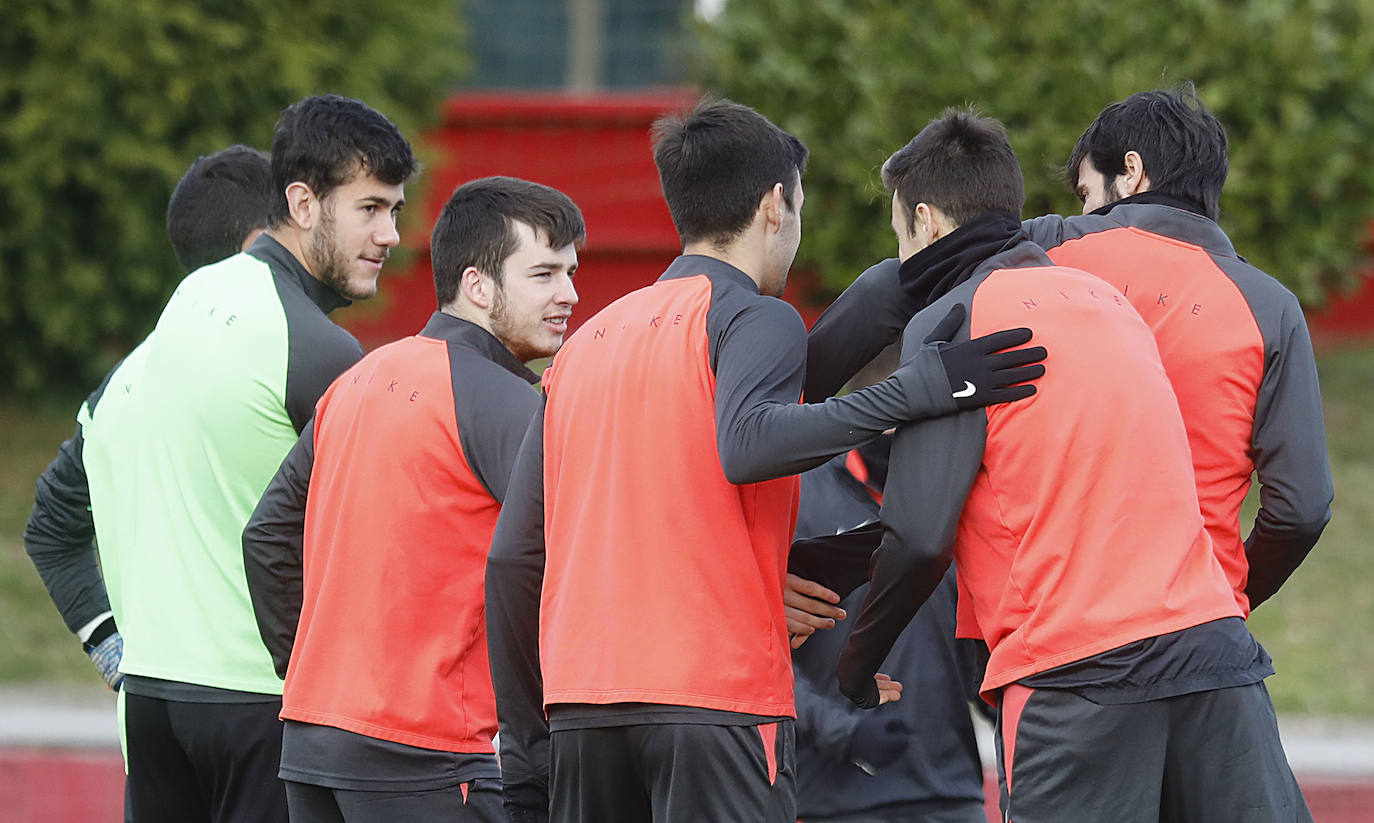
1320	628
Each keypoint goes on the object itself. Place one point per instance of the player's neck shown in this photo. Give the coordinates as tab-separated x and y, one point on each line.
745	256
291	240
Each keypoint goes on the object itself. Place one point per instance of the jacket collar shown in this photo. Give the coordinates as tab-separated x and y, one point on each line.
691	265
468	335
283	262
934	271
1157	199
1171	216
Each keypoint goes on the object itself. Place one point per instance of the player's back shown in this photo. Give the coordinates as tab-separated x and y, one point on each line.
1081	531
396	534
679	570
178	451
1216	319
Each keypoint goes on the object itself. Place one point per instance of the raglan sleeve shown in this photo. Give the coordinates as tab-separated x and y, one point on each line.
864	320
930	473
758	351
315	359
273	551
492	430
1289	446
514	582
59	536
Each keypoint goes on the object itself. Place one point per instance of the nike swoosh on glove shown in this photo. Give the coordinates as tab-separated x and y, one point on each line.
986	370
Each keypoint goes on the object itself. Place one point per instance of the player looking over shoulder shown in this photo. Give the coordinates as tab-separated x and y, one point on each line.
186	433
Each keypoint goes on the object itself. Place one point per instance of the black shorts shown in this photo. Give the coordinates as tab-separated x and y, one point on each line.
203	762
1206	756
675	773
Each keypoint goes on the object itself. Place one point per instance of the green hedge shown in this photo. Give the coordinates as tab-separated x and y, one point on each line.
104	104
1292	80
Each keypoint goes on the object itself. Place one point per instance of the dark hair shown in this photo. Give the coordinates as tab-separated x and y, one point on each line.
961	164
326	141
1181	143
217	203
716	163
476	228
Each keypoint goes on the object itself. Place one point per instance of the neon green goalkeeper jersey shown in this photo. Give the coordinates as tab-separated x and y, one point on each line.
180	444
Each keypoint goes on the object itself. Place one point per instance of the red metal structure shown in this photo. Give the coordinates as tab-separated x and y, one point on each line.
596	149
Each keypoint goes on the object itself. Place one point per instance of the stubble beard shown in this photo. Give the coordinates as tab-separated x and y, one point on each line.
326	261
505	329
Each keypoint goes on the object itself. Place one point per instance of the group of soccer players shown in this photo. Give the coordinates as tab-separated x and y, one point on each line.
421	546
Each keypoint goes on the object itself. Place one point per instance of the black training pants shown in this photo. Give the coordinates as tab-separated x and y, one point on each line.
477	801
204	762
675	773
1197	758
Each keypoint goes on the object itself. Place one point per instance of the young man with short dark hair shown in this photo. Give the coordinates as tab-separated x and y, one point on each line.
233	185
1150	171
634	586
430	425
187	431
1129	686
219	207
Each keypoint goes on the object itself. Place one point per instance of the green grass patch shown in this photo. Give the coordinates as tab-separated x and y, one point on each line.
34	643
1318	628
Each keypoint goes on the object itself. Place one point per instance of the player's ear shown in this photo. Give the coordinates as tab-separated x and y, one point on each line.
302	205
477	288
1134	180
771	208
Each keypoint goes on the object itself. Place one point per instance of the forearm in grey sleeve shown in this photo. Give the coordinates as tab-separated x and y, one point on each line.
59	538
932	469
867	318
273	550
762	431
515	579
1290	461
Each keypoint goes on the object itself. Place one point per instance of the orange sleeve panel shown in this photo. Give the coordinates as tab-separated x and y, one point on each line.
382	535
663	581
1081	532
1213	352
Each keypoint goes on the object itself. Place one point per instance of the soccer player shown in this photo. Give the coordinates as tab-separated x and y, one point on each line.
1234	342
373	535
1129	686
218	208
187	432
634	586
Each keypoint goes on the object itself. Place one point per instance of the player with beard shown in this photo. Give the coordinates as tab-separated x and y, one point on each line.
431	423
189	429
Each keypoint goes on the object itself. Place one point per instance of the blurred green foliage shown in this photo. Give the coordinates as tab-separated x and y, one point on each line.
1292	81
105	103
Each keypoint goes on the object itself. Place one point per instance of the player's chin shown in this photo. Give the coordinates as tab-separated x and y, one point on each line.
361	286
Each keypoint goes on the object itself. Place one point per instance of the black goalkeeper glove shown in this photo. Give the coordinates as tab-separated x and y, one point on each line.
982	371
105	647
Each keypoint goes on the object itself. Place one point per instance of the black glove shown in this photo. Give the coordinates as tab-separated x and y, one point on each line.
981	372
878	741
